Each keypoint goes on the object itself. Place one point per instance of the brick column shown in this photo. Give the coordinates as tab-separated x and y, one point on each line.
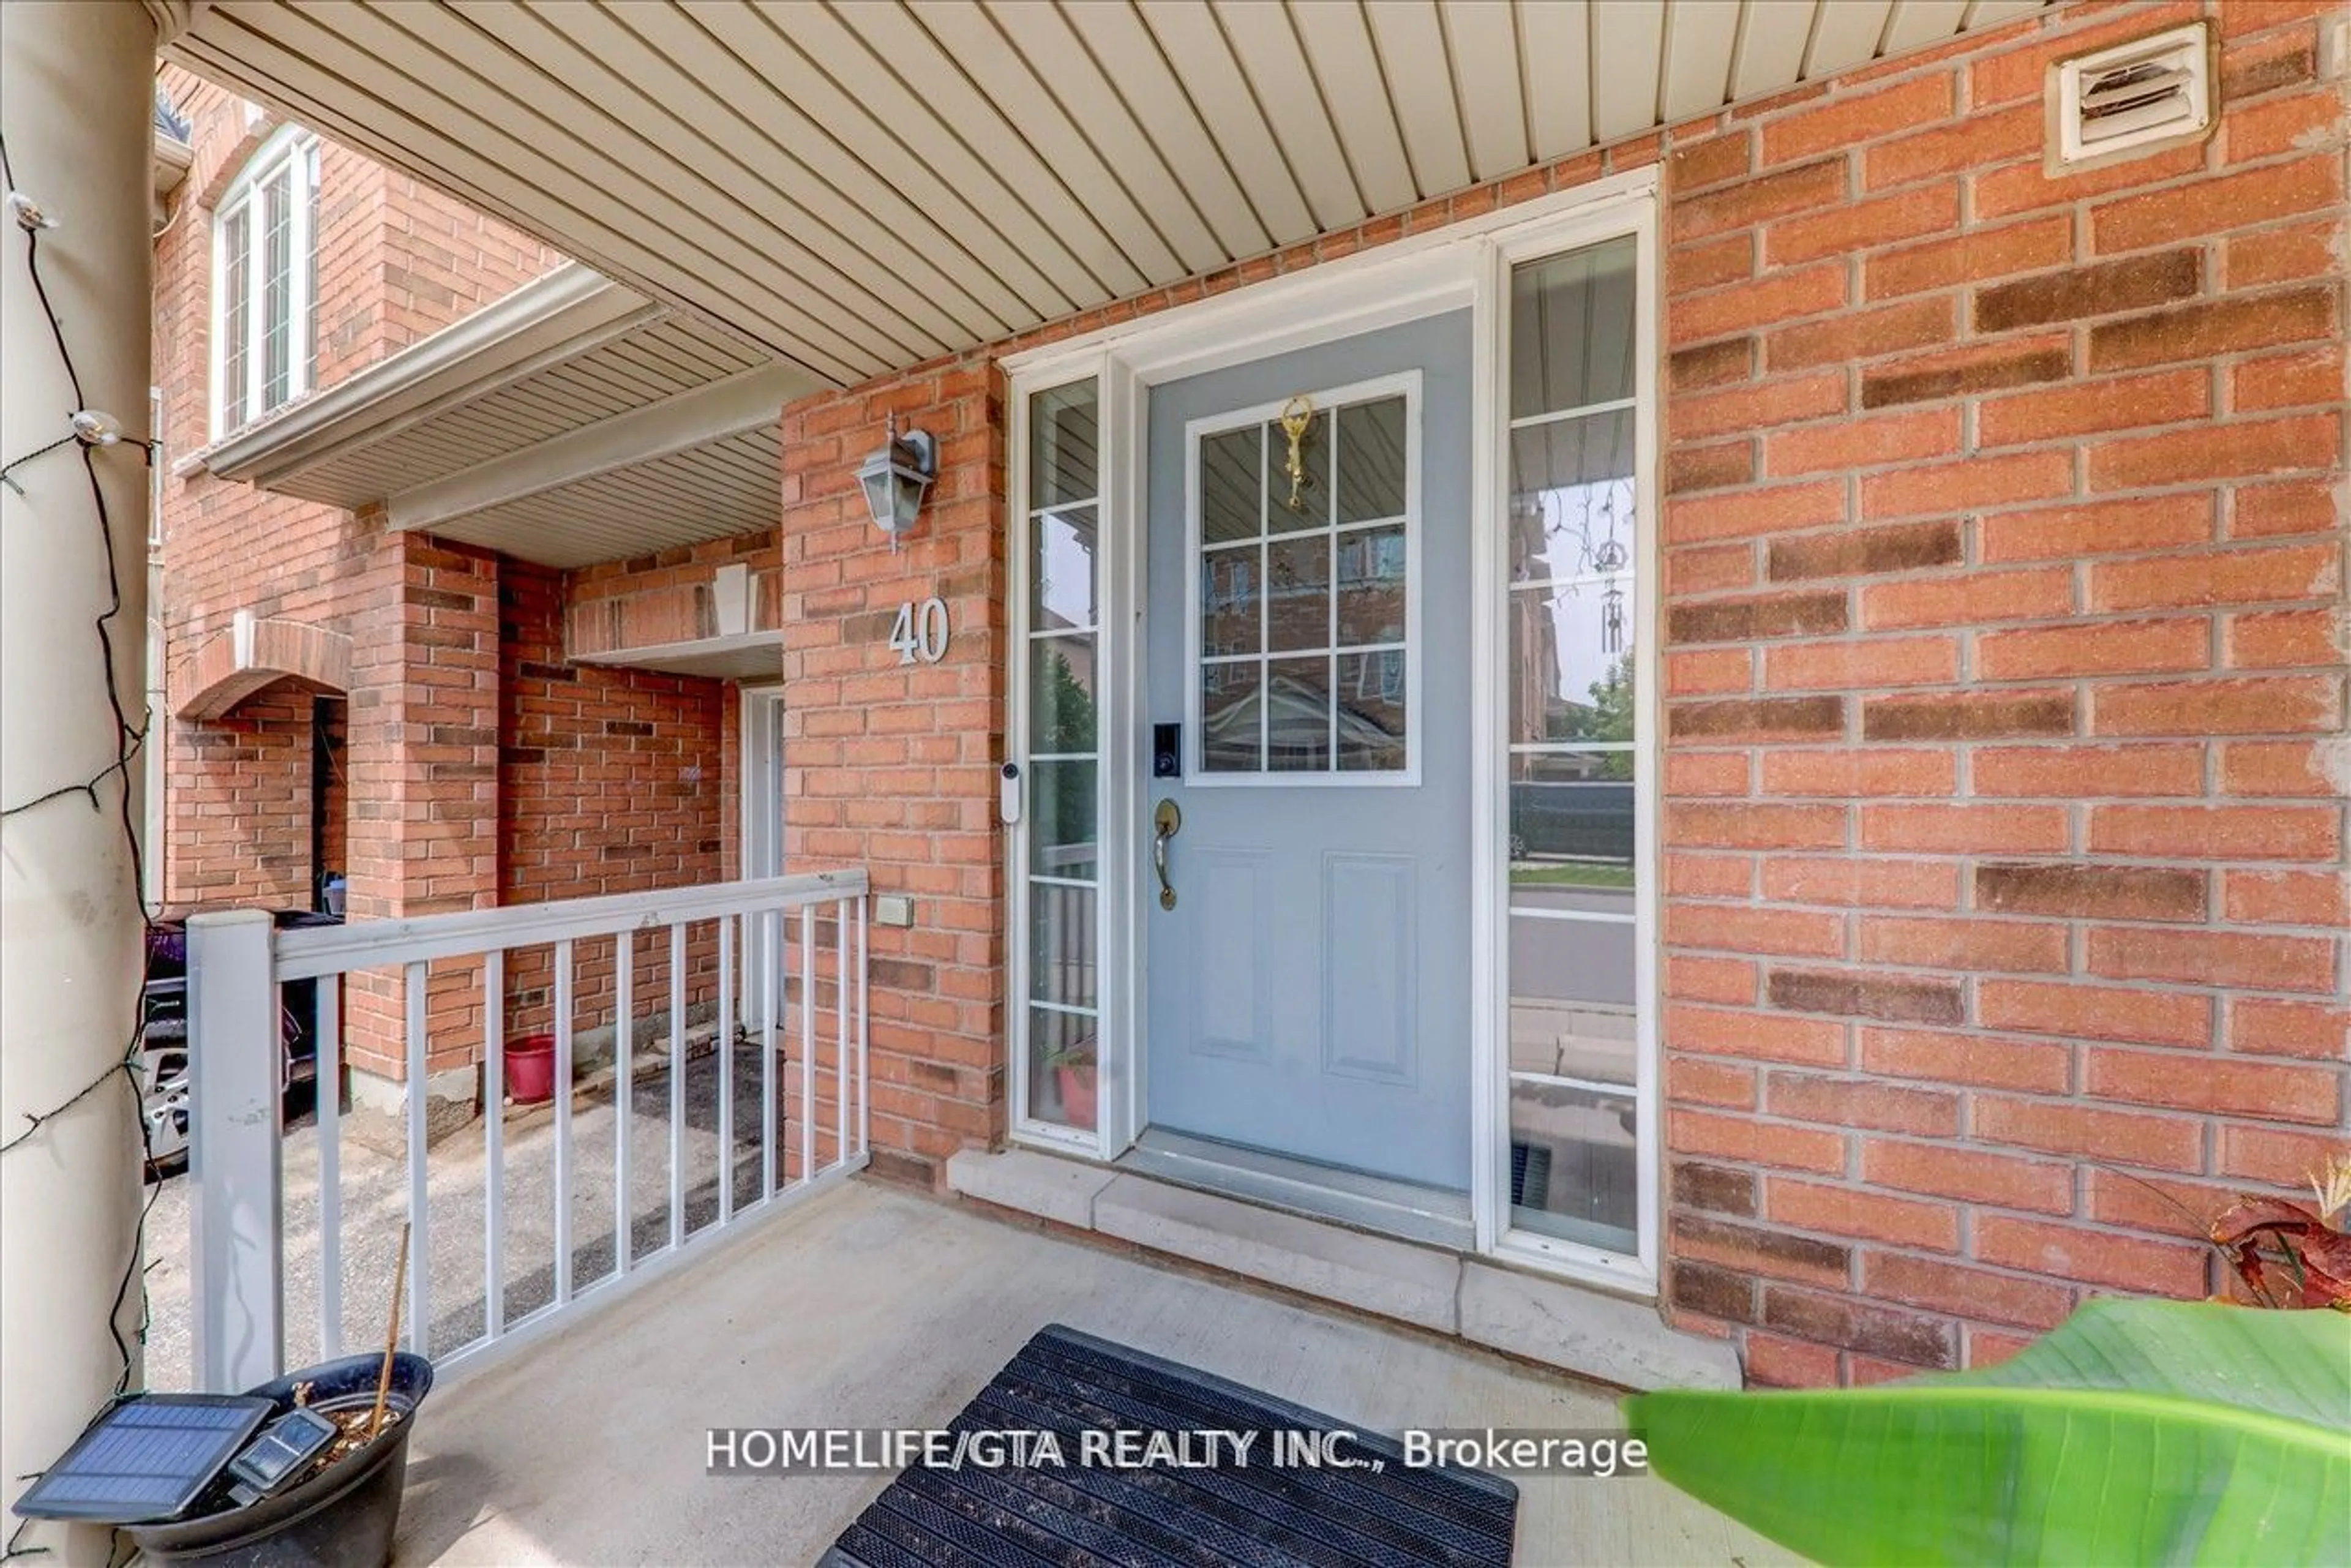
892	765
423	766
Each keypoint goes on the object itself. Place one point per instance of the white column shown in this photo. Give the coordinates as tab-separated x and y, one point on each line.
76	102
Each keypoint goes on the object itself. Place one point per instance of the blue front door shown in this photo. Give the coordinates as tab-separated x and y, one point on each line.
1309	581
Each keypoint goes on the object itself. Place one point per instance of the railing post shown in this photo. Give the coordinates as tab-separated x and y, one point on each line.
235	1056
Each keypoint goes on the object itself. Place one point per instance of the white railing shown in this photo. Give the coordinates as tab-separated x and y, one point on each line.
414	985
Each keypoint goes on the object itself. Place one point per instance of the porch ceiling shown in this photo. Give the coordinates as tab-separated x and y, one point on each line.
854	188
572	422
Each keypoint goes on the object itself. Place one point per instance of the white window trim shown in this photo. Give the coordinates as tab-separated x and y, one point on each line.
762	843
1113	1091
1195	774
1466	263
293	151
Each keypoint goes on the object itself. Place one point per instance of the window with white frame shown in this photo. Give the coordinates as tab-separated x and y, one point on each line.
1576	736
1060	885
264	281
1304	581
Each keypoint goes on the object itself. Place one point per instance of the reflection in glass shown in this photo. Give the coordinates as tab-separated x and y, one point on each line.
1298	715
1061	694
1570	662
1370	711
1371	592
1064	1072
1231	719
1572	498
1572	999
1062	571
1298	592
1061	836
1231	601
1062	945
1371	461
1574	1166
1062	460
1230	486
1572	821
1571	329
1313	509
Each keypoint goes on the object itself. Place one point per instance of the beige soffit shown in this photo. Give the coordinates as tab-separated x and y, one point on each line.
571	421
855	188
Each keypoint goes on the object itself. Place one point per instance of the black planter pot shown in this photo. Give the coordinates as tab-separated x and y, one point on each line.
343	1517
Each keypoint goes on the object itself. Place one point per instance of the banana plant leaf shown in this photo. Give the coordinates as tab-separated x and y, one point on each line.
2137	1432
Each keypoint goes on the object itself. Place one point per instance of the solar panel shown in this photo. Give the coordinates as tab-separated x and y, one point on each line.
148	1459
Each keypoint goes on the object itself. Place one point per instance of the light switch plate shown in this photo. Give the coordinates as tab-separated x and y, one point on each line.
894	909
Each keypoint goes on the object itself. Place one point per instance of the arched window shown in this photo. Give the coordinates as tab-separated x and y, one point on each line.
264	277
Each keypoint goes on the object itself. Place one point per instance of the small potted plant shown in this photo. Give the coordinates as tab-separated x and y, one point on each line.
1075	1076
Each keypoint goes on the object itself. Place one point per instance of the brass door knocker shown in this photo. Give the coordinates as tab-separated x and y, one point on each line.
1297	418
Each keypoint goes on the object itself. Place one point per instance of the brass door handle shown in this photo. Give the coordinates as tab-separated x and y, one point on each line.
1167	822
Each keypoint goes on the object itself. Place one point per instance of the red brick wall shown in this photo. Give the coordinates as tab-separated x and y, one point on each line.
2005	676
393	265
241	808
2004	665
891	766
610	780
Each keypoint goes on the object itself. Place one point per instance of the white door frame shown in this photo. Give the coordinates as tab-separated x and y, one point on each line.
1467	264
759	797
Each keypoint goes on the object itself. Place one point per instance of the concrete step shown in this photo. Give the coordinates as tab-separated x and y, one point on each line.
1555	1321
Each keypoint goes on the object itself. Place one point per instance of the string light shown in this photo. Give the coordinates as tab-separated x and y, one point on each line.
92	431
94	427
29	213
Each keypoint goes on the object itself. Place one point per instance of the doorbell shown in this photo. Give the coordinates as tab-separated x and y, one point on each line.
1167	751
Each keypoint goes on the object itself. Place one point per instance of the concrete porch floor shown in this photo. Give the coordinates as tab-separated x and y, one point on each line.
875	1307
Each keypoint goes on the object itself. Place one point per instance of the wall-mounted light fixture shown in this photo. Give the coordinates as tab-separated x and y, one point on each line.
896	478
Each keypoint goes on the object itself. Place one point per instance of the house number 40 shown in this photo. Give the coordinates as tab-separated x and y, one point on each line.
920	631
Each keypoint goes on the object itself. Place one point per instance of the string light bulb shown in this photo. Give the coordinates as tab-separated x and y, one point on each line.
27	213
95	427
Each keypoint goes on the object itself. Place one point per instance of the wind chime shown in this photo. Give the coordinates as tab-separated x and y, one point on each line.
1604	557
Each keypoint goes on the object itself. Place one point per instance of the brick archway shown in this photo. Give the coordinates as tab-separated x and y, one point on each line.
253	652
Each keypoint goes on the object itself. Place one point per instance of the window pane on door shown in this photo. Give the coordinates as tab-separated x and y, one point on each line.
1372	586
1298	592
1371	461
1302	501
1231	717
1370	694
1232	493
1232	611
1330	578
1298	715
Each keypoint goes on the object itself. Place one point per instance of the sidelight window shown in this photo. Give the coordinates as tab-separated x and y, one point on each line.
1575	732
1061	896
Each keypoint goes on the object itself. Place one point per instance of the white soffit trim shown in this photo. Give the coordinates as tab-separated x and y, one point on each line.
723	408
560	315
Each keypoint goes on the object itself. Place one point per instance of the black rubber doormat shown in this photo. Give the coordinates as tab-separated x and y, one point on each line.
1102	1403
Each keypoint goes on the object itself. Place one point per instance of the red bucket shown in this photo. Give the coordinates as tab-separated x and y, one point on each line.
531	1069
